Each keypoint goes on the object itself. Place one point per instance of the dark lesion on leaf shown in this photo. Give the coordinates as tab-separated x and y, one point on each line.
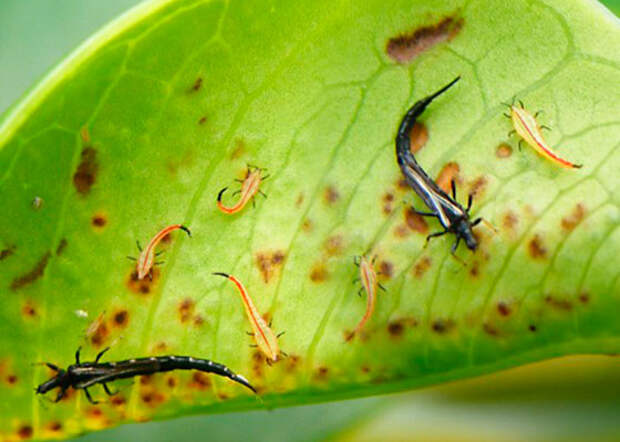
86	172
405	47
32	275
5	253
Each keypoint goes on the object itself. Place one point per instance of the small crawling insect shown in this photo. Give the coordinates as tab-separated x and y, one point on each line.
83	375
368	278
146	260
452	216
527	127
265	338
249	188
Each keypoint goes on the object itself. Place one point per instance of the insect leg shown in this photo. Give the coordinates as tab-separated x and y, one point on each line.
359	292
280	334
381	287
238	180
520	141
150	274
52	366
262	193
511	133
138	244
453	186
455	245
545	127
263	178
434	235
521	104
470	199
506	115
159	253
538	113
77	355
131	258
60	395
158	263
236	192
417	212
356	279
249	333
101	354
476	222
107	390
89	397
357	260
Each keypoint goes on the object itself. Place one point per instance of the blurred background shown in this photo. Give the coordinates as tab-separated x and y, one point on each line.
567	399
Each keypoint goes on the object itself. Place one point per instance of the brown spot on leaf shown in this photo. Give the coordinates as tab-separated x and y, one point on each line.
94	412
478	186
388	200
474	271
448	173
503	151
333	245
238	150
198	320
202	120
120	318
269	263
532	328
406	47
442	326
510	220
29	310
118	400
536	247
186	309
396	328
319	273
490	329
100	334
307	225
402	231
584	297
24	431
197	84
152	398
300	200
142	286
54	426
171	381
85	135
99	220
386	269
200	381
4	254
331	195
569	222
86	173
402	184
32	275
321	373
415	222
61	246
558	304
292	362
420	268
503	308
418	137
146	379
11	379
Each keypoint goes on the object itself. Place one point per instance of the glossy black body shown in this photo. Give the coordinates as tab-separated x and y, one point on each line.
452	216
82	375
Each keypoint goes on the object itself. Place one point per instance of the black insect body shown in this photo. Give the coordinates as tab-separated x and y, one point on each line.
83	375
452	216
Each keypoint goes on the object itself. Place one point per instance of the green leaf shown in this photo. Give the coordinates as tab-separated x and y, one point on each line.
117	142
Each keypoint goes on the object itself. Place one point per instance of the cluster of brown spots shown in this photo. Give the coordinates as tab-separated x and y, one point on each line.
300	200
32	275
61	246
418	137
420	267
478	186
569	222
490	329
331	195
202	120
197	85
120	318
307	225
415	222
29	310
584	297
292	362
334	245
321	373
510	220
99	220
152	397
536	247
54	426
442	326
503	308
142	286
386	269
24	431
503	151
318	273
200	381
559	304
86	173
186	309
238	150
4	254
268	263
406	47
388	200
447	174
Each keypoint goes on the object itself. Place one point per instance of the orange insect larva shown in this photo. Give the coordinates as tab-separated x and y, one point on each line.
530	131
249	188
266	339
146	260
